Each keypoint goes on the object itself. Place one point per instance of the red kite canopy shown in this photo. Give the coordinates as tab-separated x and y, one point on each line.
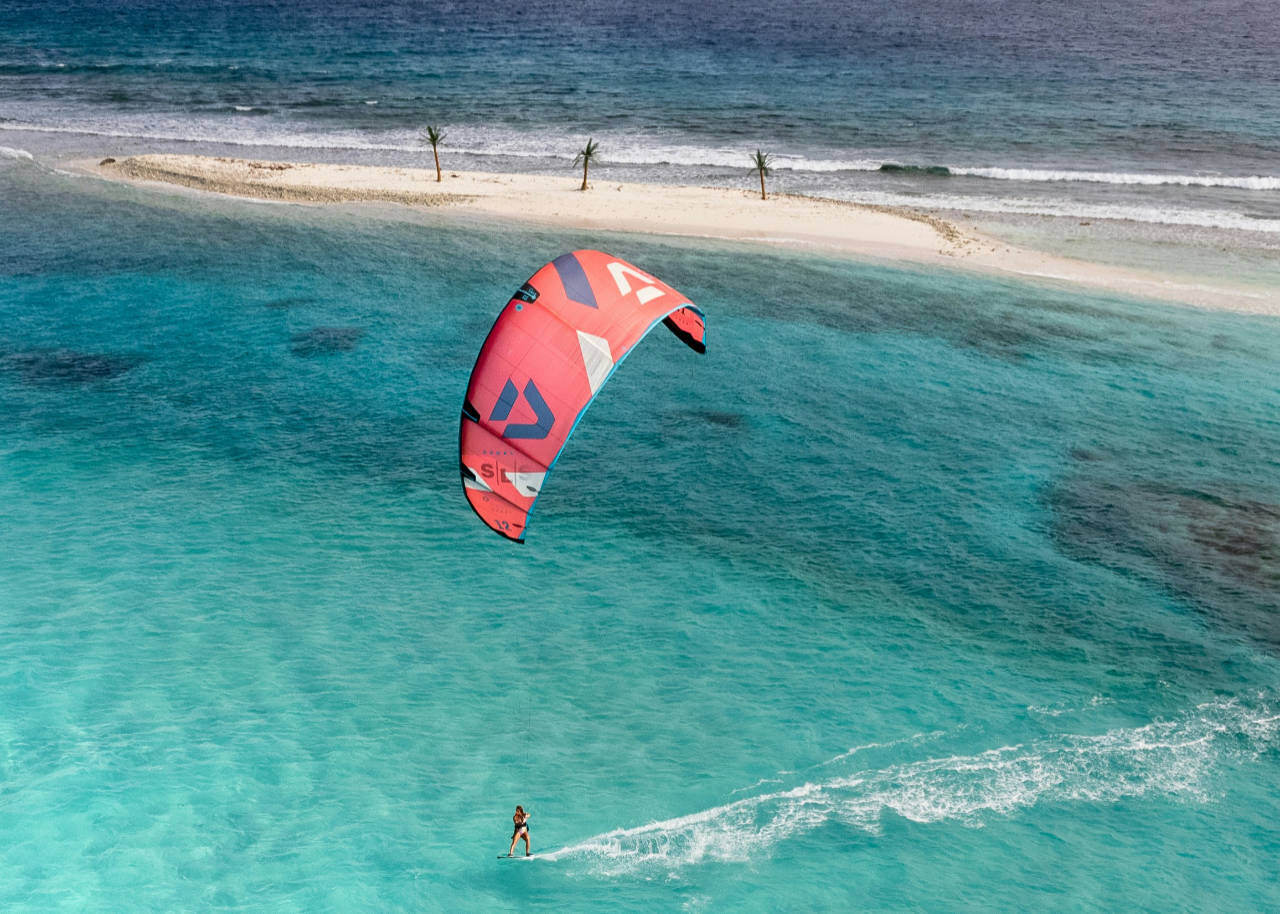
550	351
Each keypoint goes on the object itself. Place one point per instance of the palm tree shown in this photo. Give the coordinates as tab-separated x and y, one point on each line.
586	157
435	136
761	162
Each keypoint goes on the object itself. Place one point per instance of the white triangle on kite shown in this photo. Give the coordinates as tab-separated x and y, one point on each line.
527	484
597	359
475	482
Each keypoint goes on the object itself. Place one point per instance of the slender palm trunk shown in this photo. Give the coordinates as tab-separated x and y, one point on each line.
762	196
584	175
435	153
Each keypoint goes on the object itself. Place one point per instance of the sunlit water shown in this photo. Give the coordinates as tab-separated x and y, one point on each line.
917	591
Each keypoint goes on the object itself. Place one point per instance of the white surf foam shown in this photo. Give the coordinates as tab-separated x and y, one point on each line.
9	152
1252	182
633	149
1057	710
621	147
223	134
914	739
488	141
1169	759
1073	209
554	148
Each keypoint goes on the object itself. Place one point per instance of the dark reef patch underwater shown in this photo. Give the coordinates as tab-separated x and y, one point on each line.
288	303
53	367
323	340
1214	546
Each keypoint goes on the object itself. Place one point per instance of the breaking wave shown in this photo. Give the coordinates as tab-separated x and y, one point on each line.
622	148
652	153
1168	759
1073	209
1253	182
1055	175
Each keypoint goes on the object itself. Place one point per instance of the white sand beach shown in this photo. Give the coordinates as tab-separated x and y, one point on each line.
785	220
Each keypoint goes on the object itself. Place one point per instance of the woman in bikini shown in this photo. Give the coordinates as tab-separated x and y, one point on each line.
521	819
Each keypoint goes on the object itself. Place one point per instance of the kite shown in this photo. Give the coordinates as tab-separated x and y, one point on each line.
551	350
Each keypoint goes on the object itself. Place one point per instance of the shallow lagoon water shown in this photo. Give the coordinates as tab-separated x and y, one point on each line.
900	597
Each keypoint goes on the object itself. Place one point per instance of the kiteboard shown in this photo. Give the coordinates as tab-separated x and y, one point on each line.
516	856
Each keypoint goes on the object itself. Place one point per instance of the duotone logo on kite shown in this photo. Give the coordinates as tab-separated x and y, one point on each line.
543	416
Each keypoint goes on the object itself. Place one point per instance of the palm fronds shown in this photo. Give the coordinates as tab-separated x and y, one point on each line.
586	156
761	163
435	136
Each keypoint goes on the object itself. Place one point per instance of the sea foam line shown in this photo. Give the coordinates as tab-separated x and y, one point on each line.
1170	759
489	142
622	149
482	142
1034	175
1155	215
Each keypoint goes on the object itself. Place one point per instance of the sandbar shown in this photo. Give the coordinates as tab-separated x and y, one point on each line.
830	226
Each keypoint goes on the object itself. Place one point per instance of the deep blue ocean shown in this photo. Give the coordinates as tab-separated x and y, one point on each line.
919	591
1162	112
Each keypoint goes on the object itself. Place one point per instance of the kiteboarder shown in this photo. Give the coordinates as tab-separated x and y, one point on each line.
521	818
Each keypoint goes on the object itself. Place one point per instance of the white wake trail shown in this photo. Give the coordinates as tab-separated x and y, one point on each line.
1164	758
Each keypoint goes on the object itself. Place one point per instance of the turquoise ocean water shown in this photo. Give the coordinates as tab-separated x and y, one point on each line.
919	591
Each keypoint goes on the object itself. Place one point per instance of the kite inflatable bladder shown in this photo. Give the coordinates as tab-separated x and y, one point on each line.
550	351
